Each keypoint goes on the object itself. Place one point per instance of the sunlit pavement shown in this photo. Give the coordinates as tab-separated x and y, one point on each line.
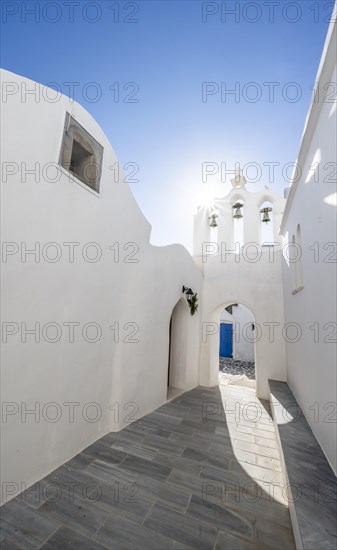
202	471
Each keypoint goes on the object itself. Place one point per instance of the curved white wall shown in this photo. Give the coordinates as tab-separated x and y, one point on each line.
136	297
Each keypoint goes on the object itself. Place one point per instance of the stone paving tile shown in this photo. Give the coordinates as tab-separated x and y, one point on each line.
164	445
66	538
121	534
137	448
137	465
152	425
179	463
105	472
259	450
244	456
163	419
215	438
259	507
254	431
162	432
132	432
265	442
123	499
82	515
25	526
274	536
254	412
173	497
183	429
181	527
230	480
222	449
139	430
192	441
227	478
242	436
175	479
38	493
207	458
66	473
174	409
181	546
9	545
226	541
80	461
208	426
269	463
68	481
247	457
265	426
256	472
220	516
108	453
192	483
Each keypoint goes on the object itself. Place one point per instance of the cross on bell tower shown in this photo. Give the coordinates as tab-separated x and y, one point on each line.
239	180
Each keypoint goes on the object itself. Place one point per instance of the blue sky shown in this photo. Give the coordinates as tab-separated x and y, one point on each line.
159	54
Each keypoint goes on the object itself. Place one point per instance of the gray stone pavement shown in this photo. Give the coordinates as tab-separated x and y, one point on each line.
237	372
237	367
201	472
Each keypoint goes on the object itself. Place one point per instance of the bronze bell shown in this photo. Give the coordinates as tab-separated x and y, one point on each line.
238	212
214	220
266	217
265	212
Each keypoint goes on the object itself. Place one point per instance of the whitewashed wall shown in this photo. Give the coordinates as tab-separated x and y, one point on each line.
258	286
311	361
252	278
226	317
253	202
135	298
244	341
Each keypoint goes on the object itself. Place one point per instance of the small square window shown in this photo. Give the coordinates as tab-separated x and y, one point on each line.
81	154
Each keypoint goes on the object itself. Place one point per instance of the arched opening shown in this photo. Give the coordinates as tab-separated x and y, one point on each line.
266	224
178	347
237	336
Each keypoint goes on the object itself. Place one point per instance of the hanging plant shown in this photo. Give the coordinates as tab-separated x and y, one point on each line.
193	303
192	299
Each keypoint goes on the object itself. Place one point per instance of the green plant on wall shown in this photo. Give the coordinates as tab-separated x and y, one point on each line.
193	303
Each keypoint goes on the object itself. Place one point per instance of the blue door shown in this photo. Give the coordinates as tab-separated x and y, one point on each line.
226	340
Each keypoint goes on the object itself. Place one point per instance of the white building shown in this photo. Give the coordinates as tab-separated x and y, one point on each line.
88	302
309	278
